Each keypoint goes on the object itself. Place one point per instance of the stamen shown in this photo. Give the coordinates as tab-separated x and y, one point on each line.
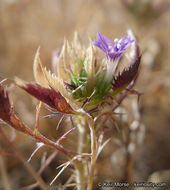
118	45
110	47
116	39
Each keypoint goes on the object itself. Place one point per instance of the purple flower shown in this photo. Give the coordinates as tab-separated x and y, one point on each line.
112	50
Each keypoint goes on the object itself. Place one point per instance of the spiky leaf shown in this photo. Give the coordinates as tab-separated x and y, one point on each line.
47	95
126	76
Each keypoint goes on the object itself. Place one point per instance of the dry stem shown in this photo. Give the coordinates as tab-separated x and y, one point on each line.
20	126
81	177
24	161
93	154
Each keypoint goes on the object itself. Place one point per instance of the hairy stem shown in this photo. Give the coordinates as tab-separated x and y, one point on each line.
24	161
20	126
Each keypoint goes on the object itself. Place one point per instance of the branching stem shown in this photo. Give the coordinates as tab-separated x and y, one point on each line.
20	126
24	161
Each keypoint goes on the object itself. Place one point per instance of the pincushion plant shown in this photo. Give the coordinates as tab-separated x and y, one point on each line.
81	82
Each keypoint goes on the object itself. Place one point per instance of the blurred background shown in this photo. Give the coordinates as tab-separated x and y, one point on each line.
27	24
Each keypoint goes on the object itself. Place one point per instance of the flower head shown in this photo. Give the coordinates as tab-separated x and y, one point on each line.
79	79
113	50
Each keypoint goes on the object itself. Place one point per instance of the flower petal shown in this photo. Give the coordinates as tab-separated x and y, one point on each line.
47	95
113	51
103	42
123	44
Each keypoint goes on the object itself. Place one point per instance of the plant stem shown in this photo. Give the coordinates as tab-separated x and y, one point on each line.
24	161
128	168
83	128
82	148
80	177
93	154
20	126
